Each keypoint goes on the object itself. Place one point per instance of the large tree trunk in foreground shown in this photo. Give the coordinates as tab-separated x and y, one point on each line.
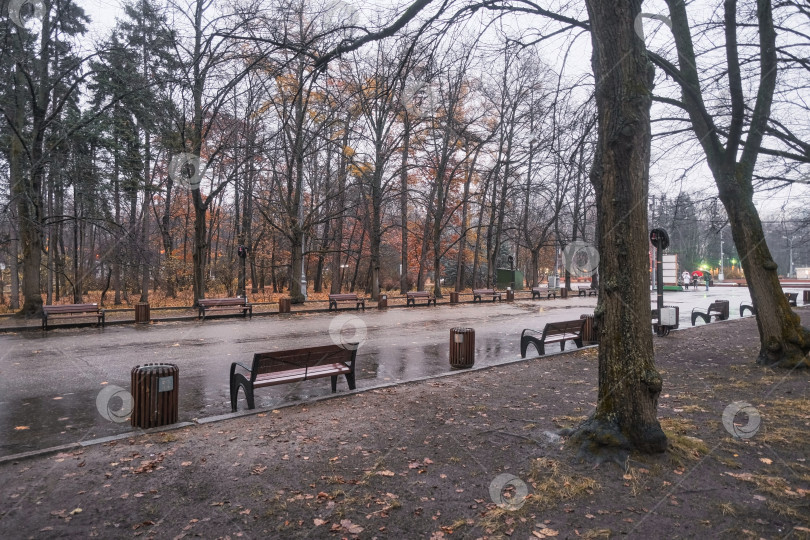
629	385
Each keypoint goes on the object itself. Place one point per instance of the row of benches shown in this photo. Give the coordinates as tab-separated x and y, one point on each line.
332	361
718	309
208	305
298	365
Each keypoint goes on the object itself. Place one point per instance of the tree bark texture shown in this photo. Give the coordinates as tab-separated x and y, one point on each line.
629	385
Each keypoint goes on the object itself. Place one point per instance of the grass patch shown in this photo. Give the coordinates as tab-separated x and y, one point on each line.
593	534
551	483
554	482
786	510
168	438
682	447
693	409
568	421
788	422
727	509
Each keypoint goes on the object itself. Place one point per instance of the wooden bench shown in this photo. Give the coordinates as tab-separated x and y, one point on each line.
224	304
749	307
295	365
590	291
792	298
537	292
554	332
68	311
412	296
478	293
718	309
348	297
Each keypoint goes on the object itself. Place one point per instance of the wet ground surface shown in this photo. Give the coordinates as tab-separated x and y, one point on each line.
49	382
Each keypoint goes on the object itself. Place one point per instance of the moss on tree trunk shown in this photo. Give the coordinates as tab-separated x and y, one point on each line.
629	385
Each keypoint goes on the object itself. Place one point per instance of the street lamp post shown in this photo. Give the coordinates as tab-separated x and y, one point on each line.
790	246
721	276
343	274
792	273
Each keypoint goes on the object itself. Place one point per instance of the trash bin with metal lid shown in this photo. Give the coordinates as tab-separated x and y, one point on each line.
462	348
155	395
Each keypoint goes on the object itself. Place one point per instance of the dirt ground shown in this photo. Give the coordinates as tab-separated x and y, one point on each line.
473	455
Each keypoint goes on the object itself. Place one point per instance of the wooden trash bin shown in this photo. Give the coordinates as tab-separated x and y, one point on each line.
382	303
462	348
154	395
725	309
589	333
284	304
142	312
510	295
453	297
563	291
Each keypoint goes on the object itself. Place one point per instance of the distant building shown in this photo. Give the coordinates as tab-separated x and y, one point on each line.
803	272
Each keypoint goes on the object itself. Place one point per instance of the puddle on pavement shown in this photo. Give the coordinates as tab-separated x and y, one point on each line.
41	422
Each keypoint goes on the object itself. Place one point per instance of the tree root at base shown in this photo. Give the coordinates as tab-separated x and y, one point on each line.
599	441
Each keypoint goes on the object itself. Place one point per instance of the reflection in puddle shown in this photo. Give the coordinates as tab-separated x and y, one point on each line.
41	422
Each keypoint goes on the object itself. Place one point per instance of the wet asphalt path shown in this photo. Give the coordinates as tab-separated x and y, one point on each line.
49	382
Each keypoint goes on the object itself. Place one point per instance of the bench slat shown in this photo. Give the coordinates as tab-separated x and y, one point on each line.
70	308
293	375
222	302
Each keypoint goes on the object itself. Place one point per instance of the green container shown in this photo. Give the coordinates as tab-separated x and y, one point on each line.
510	278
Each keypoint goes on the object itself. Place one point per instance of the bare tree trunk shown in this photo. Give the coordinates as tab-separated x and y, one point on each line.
629	385
420	274
318	286
77	254
337	271
14	268
462	244
116	251
51	257
168	241
199	247
359	258
403	204
375	235
783	340
29	207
